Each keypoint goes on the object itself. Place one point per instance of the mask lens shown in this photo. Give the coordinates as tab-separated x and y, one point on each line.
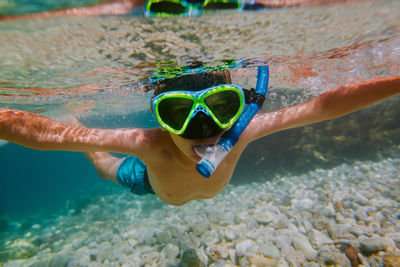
167	7
225	105
174	111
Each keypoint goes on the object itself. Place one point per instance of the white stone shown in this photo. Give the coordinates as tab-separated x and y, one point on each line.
245	246
76	243
319	239
210	237
92	245
229	235
170	251
281	222
200	227
269	250
306	204
328	211
301	243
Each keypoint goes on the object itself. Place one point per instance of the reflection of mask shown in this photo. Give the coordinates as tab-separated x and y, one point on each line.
201	126
187	7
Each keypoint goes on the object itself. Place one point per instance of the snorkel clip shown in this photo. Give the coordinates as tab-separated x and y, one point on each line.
251	96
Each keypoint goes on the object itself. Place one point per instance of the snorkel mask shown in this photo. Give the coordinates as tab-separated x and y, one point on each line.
187	7
200	114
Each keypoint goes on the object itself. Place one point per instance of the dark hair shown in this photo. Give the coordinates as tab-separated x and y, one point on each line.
191	82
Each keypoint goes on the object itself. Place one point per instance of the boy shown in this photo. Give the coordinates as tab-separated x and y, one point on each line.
164	160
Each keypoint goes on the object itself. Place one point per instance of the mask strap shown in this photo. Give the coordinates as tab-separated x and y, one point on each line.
251	96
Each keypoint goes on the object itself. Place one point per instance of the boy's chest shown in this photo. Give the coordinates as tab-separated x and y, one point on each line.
177	184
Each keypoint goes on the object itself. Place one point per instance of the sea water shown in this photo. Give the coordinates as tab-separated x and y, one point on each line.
293	193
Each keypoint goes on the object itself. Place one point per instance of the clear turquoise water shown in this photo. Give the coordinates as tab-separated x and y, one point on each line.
95	68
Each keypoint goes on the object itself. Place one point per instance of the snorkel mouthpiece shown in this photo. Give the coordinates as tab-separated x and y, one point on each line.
214	157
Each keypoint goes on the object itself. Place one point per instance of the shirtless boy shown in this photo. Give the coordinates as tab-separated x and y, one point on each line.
167	164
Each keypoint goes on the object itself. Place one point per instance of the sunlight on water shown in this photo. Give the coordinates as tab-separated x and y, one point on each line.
296	198
73	61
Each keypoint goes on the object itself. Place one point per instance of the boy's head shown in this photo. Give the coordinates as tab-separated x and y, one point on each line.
174	108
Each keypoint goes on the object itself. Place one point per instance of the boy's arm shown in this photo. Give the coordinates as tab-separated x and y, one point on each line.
38	132
332	104
119	7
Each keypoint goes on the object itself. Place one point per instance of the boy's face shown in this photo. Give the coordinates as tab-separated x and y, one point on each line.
197	109
187	146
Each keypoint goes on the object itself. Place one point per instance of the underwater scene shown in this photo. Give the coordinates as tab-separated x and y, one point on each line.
325	194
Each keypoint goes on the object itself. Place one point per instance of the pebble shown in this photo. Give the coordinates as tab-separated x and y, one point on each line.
328	211
319	239
153	258
352	255
375	244
310	264
264	219
329	256
246	246
293	256
92	244
281	222
199	228
171	252
300	242
262	262
162	236
306	204
391	260
394	236
210	237
229	234
269	250
217	251
222	263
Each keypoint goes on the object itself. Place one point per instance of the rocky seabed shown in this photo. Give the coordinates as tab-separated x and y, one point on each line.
345	216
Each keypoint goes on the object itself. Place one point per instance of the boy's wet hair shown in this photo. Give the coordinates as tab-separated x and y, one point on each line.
192	82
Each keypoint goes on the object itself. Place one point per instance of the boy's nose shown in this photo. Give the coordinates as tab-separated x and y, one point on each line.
200	127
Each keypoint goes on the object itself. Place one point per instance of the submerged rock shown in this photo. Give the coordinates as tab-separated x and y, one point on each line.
319	239
269	250
61	260
190	258
218	251
19	249
246	246
301	243
260	262
352	255
390	260
171	252
375	244
331	256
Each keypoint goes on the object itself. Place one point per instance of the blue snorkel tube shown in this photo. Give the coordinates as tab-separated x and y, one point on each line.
214	157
